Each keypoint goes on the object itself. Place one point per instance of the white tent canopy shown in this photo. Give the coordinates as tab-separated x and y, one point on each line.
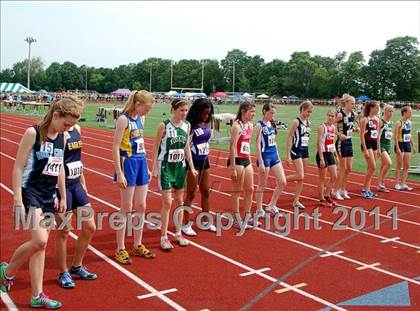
224	116
14	88
262	96
246	95
170	93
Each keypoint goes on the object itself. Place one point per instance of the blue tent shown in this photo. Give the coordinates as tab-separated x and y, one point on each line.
293	97
363	97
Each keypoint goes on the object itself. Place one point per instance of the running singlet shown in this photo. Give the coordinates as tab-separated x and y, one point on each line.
172	145
327	140
301	135
371	133
386	132
404	135
346	124
268	138
243	148
200	142
72	157
132	142
44	164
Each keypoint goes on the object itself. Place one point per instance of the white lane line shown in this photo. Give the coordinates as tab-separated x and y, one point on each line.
254	272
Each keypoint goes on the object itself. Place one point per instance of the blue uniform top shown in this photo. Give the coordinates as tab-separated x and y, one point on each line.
132	142
268	138
72	157
40	174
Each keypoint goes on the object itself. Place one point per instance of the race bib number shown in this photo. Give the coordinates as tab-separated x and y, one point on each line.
305	141
272	140
140	145
331	148
349	133
176	155
388	134
245	149
374	134
407	138
75	169
53	167
172	134
203	149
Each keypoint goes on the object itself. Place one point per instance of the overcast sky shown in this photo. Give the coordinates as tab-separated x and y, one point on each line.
109	34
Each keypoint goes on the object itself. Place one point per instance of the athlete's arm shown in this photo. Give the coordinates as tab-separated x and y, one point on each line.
120	126
362	133
292	130
258	145
24	150
159	134
82	176
321	130
234	135
397	131
188	152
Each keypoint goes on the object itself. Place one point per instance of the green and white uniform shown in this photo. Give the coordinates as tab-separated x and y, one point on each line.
171	156
386	136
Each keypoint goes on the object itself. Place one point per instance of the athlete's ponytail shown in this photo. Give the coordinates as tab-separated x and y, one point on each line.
66	106
142	97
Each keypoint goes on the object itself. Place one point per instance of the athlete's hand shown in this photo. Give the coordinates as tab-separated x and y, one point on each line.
343	137
366	154
62	206
377	154
261	167
149	174
288	161
322	163
121	181
398	150
155	171
194	172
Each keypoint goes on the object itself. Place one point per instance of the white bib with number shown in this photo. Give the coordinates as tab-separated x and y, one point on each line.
245	148
374	134
305	141
272	140
330	148
176	155
75	169
53	167
140	145
407	138
388	134
203	149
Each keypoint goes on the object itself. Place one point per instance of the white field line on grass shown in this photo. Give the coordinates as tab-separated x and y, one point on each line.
310	246
225	159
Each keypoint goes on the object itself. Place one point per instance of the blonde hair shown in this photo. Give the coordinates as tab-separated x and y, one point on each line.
345	99
388	107
66	106
307	104
143	97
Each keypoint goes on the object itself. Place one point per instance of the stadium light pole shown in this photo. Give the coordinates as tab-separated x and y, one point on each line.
29	40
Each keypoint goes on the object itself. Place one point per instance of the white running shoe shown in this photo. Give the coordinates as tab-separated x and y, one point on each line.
406	187
338	196
397	186
189	231
181	240
272	209
259	213
165	244
298	205
345	195
210	227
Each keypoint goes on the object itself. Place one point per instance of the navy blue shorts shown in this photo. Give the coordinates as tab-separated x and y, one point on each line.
404	146
270	159
76	196
135	171
344	148
31	198
297	153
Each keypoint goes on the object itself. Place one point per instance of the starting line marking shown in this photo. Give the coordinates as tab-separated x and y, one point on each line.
254	272
164	292
283	290
390	240
368	266
327	254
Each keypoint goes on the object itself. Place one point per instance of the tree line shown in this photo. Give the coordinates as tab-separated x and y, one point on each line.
390	74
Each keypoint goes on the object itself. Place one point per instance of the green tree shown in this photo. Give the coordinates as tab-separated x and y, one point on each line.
241	60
